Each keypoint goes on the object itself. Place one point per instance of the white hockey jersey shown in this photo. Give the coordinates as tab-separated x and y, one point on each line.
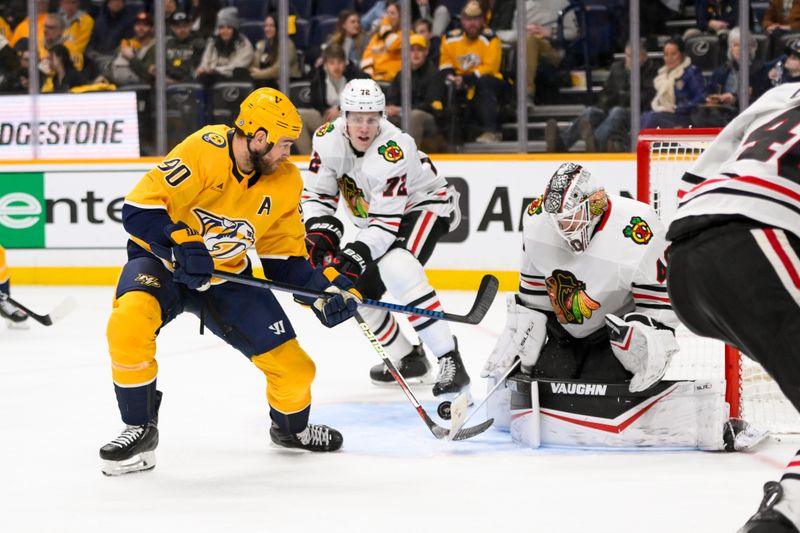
391	178
751	169
622	270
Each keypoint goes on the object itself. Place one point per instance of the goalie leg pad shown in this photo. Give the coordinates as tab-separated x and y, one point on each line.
644	350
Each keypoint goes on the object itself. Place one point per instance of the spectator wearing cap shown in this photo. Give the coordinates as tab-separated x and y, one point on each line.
183	49
470	60
541	18
136	55
382	57
78	30
783	69
266	66
679	90
113	24
428	93
327	83
227	55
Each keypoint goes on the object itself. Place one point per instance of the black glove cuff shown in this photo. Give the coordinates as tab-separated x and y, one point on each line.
356	254
328	225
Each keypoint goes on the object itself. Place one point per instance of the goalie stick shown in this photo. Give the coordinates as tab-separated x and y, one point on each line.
458	431
59	312
483	298
438	431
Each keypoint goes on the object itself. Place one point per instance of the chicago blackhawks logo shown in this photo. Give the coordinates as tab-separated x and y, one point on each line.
225	238
214	138
353	196
639	231
391	152
535	207
325	128
569	299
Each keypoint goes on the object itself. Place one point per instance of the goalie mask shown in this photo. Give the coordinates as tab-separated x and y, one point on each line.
575	203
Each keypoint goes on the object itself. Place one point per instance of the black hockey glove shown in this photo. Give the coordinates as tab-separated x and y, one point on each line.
323	235
352	259
193	263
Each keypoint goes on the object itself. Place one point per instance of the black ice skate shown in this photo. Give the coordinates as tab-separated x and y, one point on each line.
315	438
16	317
414	368
451	381
134	449
767	519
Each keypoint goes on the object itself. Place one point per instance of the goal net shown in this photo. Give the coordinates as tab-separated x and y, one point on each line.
662	158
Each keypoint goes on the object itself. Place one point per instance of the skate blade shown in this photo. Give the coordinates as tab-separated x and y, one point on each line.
451	396
138	463
419	381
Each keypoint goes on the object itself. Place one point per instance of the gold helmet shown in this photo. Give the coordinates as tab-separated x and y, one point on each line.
271	110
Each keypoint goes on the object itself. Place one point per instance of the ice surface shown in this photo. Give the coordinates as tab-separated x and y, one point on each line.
217	472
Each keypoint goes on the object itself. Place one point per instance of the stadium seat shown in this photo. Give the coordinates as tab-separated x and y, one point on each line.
301	8
226	98
249	9
300	93
787	40
333	7
704	51
762	50
185	111
454	6
323	26
302	35
252	29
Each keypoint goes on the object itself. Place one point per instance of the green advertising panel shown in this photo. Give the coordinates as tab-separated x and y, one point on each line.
22	213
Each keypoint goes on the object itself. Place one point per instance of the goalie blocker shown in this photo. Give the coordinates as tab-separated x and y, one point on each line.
672	414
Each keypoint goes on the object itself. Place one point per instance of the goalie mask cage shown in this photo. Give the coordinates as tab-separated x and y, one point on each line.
662	158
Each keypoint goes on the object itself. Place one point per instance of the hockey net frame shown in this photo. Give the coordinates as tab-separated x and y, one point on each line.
662	156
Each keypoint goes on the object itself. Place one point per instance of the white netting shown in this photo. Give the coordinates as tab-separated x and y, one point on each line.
761	402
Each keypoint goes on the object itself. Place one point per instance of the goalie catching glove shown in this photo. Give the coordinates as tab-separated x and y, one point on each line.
643	346
523	337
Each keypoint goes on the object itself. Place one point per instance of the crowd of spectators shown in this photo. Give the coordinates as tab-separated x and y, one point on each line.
462	59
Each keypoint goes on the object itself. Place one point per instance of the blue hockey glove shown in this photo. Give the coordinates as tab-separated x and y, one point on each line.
337	308
193	264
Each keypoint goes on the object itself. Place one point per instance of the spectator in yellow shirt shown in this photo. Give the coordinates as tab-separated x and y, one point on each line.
78	30
470	60
382	57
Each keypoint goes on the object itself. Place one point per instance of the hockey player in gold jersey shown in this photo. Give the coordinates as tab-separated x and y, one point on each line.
16	317
216	194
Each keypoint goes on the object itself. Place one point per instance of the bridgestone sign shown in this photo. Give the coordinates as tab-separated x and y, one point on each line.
70	126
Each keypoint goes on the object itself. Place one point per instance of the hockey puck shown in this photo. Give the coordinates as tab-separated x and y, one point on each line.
443	410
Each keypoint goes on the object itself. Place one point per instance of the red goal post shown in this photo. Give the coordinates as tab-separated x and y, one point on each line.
662	158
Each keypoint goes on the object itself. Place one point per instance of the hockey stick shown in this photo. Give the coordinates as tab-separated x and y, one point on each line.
483	298
438	431
59	312
460	434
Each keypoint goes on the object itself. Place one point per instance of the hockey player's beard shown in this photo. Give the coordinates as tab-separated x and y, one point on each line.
261	163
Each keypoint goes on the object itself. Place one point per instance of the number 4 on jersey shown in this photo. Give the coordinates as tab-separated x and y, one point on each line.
769	138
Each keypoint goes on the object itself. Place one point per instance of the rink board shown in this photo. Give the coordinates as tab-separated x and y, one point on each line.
60	221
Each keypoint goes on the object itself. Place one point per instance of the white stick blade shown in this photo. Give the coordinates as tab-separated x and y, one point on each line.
458	413
63	309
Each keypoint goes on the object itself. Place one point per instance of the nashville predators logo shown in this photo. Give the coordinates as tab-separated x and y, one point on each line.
225	238
639	231
148	280
535	207
353	196
391	152
469	61
569	299
325	128
214	138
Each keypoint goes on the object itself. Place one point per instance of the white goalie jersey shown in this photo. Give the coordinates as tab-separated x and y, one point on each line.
622	270
377	187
